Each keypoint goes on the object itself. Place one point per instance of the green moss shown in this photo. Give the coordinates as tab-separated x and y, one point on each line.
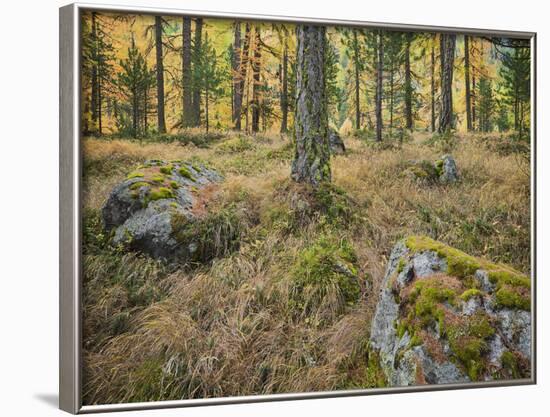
326	266
376	378
217	234
167	169
470	293
138	185
174	185
184	172
135	174
427	295
400	265
510	363
509	297
424	170
333	202
464	266
439	167
468	341
161	193
158	179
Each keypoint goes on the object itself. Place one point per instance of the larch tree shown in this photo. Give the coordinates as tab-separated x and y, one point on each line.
161	121
311	163
447	55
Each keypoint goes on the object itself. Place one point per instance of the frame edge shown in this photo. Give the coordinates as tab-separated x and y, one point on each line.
69	356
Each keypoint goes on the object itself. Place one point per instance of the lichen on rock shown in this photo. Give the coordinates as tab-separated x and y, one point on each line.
159	209
440	318
442	171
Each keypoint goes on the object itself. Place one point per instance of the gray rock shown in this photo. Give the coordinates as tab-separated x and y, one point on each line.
516	328
483	279
142	213
427	358
336	143
449	171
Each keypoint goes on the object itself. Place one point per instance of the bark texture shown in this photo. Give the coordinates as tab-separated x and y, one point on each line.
161	123
467	82
187	75
312	157
408	84
447	42
379	86
196	90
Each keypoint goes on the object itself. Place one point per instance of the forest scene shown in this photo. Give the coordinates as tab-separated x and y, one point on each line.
278	208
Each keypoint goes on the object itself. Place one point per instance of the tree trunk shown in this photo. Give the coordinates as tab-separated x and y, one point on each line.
256	68
379	79
206	99
311	163
237	92
94	69
161	123
357	92
408	84
145	108
242	78
467	82
284	91
447	42
99	100
391	96
196	87
187	74
473	100
432	87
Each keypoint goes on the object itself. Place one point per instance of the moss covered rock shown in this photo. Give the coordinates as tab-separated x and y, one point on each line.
142	210
444	316
442	171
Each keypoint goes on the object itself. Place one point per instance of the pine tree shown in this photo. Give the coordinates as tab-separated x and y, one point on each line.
97	57
135	81
209	77
515	75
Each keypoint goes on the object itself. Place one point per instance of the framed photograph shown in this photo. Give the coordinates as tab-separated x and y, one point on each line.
259	208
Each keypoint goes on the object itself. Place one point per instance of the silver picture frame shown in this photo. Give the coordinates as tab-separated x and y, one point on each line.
70	170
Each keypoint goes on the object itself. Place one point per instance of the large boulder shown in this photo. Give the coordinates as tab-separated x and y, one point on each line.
152	208
336	143
447	317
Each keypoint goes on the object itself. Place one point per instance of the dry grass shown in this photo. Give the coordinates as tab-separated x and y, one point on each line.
231	327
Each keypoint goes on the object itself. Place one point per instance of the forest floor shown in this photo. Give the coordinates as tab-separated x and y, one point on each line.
234	326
